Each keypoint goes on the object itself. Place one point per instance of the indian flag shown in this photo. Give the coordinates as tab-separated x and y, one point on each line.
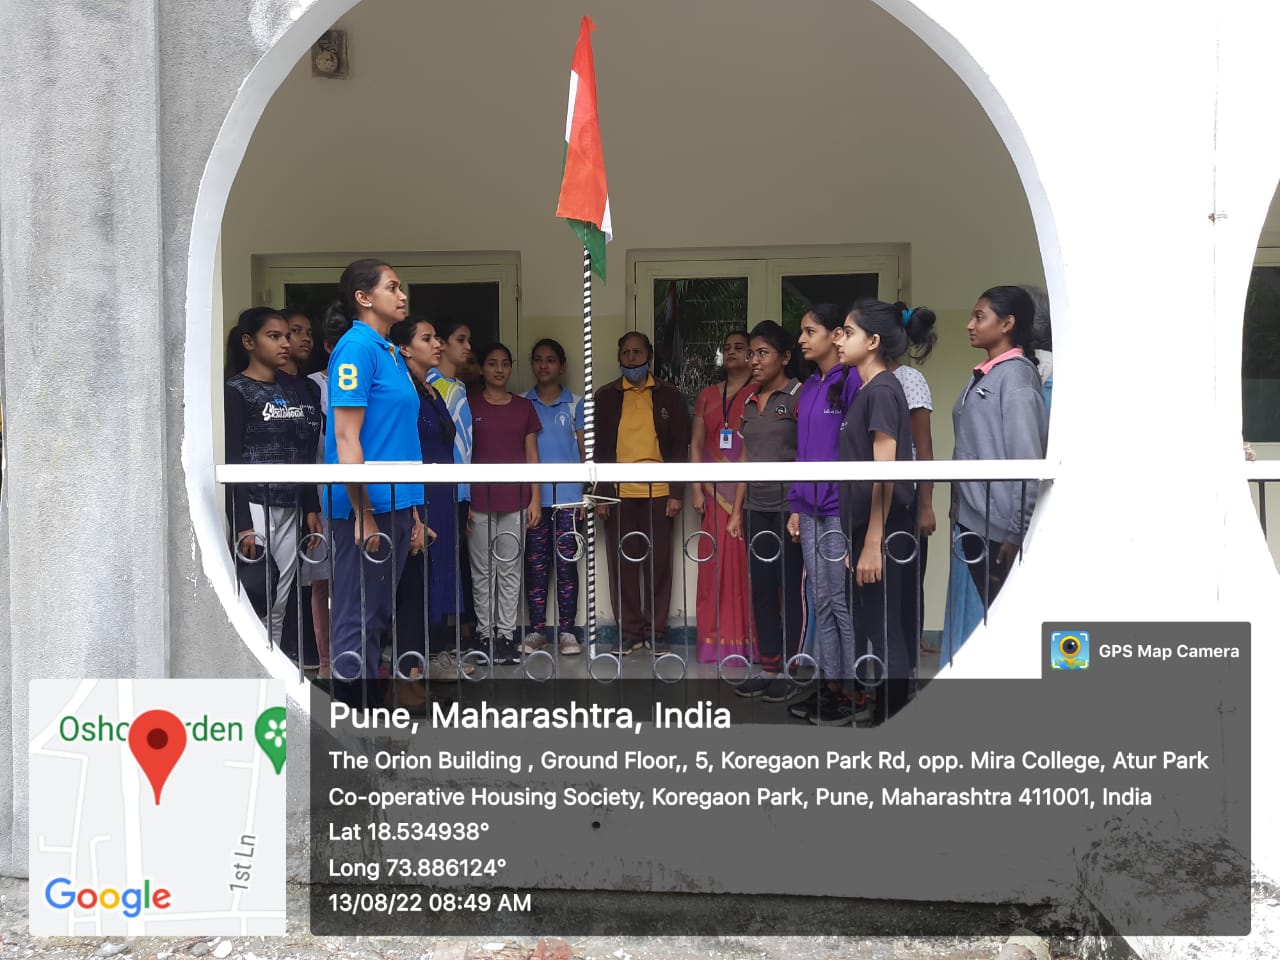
584	194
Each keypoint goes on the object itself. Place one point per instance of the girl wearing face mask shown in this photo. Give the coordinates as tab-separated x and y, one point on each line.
815	507
641	419
723	618
506	431
1000	416
265	423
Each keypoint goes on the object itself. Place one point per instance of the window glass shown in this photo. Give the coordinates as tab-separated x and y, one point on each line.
691	317
312	299
475	304
1261	362
800	292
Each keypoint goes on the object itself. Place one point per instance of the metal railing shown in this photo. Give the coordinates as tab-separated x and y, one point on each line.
411	640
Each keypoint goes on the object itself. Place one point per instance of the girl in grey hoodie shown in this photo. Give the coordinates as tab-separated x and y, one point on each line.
1000	416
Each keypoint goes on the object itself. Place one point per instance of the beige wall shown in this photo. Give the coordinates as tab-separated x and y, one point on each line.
744	124
1271	228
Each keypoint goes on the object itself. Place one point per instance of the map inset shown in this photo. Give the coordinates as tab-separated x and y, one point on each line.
157	807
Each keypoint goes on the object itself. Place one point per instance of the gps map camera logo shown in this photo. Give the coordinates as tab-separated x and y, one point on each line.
1069	650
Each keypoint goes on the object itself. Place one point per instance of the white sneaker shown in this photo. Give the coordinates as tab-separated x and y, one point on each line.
445	668
533	642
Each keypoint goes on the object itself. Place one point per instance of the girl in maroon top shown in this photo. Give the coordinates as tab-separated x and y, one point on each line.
504	430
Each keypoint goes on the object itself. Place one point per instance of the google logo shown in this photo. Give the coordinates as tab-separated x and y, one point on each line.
61	895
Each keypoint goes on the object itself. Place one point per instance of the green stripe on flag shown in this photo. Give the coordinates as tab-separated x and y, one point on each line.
592	238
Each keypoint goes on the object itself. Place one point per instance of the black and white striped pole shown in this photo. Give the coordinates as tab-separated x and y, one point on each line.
589	446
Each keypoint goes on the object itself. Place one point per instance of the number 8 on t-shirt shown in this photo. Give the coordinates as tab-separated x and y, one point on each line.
348	378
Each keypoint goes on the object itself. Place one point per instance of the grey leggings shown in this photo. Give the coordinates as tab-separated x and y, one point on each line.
497	554
824	548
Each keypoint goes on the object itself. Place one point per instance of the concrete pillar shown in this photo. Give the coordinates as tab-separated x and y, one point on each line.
84	373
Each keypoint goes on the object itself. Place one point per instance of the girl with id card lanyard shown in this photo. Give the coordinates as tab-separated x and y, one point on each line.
723	611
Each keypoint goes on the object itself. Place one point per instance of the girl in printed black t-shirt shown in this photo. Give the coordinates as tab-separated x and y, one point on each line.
267	421
875	515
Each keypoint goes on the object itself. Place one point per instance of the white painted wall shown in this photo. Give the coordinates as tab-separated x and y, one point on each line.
747	124
1124	164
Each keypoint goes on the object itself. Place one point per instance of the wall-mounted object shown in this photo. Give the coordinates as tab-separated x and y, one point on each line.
329	55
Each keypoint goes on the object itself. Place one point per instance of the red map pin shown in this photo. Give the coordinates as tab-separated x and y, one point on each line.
157	739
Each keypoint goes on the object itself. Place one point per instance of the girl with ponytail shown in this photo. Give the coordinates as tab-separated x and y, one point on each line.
876	516
1000	416
918	322
373	413
815	507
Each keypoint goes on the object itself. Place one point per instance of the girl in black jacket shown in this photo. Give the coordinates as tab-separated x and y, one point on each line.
267	421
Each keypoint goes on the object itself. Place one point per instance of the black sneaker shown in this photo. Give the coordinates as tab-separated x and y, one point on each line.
863	713
505	651
627	646
751	687
832	712
777	690
660	646
802	708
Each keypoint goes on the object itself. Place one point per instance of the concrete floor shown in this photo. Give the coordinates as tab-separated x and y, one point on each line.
298	943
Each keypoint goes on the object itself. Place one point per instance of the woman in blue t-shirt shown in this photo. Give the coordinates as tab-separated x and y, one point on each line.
373	408
553	543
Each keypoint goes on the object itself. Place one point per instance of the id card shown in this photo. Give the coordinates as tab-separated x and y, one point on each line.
726	439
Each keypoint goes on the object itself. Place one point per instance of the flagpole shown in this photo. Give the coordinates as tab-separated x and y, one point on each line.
589	445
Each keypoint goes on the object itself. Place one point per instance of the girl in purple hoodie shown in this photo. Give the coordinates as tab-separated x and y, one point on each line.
815	507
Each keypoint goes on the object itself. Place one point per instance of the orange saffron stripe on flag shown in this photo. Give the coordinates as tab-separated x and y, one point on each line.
584	190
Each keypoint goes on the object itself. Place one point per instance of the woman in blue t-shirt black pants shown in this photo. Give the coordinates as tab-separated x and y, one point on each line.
373	414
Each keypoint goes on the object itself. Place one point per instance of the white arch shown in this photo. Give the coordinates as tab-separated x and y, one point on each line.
224	162
206	227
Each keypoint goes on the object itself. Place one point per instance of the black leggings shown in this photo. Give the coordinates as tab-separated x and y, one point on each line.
877	612
913	599
988	573
774	563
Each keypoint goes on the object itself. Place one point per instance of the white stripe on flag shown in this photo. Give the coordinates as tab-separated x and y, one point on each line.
606	224
573	98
